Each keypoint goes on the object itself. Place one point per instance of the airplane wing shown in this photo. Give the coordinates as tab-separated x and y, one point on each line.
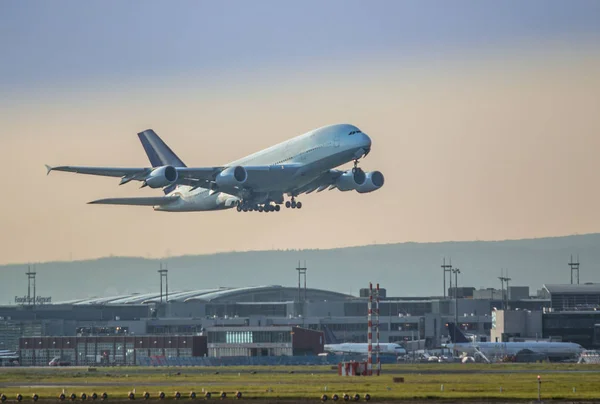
144	201
359	181
257	177
103	171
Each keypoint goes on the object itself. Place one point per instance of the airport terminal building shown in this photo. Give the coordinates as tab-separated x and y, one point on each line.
283	321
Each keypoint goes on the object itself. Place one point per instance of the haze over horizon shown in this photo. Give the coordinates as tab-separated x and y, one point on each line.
406	269
483	118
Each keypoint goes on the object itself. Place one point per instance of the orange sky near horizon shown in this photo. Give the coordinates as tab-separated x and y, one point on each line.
498	147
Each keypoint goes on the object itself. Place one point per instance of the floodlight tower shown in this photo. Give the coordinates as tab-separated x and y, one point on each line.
301	271
447	269
164	273
507	279
30	277
574	268
456	271
503	279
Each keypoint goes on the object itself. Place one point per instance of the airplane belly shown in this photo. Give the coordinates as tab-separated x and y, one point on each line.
202	201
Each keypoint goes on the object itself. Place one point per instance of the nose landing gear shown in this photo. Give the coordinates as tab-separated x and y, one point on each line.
355	168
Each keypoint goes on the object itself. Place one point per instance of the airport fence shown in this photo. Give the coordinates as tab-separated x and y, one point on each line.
249	360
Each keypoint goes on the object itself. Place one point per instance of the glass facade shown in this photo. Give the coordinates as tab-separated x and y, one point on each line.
415	308
246	310
221	351
190	329
249	337
575	327
108	351
575	301
87	331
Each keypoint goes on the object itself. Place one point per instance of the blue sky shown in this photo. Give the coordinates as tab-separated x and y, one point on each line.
66	42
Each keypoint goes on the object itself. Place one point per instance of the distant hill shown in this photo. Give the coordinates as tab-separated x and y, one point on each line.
406	269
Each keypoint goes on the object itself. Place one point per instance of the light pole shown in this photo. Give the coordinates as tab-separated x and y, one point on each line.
456	271
447	268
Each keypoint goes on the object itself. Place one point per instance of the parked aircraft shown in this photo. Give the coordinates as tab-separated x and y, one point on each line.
258	182
8	358
8	354
543	349
362	348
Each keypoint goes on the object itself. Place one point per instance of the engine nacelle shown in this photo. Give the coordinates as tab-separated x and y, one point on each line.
351	180
374	181
161	177
232	177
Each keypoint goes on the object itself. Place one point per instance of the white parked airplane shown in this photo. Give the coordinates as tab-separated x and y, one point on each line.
258	182
551	350
363	348
4	354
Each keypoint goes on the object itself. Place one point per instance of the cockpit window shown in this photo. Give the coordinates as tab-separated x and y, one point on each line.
353	132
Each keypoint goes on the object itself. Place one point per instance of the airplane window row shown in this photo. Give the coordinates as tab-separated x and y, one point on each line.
290	158
353	132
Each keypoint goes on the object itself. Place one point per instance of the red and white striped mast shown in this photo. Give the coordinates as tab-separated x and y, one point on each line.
370	332
377	329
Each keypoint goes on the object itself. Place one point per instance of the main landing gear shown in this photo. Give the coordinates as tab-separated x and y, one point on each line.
267	207
293	204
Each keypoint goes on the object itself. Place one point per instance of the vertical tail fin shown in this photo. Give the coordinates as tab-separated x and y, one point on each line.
157	151
456	335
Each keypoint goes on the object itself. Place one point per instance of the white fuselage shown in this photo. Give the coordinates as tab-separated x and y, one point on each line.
549	349
362	348
313	153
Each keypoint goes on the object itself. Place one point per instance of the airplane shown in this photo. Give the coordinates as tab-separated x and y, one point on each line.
5	352
258	182
551	350
9	356
362	348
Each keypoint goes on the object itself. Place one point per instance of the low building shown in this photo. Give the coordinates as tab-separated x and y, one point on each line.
107	350
463	292
510	325
573	326
264	341
573	297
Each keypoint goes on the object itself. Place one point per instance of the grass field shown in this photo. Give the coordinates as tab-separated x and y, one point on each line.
480	382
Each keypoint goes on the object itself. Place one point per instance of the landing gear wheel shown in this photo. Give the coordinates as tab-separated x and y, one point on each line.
288	204
260	208
245	209
294	204
299	205
277	208
238	208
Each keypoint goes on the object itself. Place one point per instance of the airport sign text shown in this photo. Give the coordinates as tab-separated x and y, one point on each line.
30	300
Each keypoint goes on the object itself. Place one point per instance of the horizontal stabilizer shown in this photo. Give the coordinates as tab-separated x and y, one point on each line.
144	201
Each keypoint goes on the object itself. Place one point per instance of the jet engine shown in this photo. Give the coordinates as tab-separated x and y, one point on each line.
161	177
232	177
351	180
374	180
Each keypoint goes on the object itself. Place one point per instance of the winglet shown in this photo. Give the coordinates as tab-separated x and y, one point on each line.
48	168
